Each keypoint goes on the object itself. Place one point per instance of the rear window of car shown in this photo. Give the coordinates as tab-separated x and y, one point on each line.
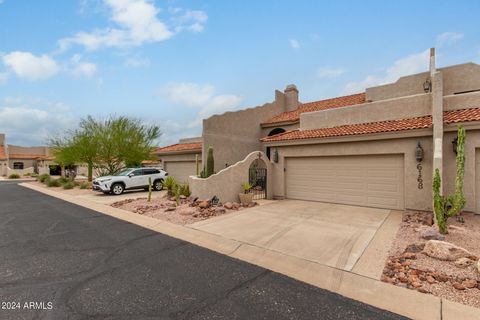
150	171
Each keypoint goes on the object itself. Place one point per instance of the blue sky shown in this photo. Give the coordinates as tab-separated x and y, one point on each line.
175	62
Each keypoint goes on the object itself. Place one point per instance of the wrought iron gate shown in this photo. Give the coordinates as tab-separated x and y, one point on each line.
257	178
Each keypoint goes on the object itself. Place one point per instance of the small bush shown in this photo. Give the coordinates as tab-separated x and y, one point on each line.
170	184
68	185
63	180
84	185
53	183
184	190
43	177
14	176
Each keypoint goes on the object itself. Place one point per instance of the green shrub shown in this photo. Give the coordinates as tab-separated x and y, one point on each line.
184	190
246	187
53	183
14	176
43	177
84	185
63	180
68	185
170	184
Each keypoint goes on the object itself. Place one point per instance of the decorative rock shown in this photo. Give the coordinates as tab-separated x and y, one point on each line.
170	209
220	210
469	283
408	255
444	250
463	262
423	290
228	205
415	248
431	234
183	197
458	286
186	211
441	278
430	279
478	266
236	205
203	204
416	284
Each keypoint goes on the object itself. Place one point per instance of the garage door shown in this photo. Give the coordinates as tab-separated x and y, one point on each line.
181	170
372	181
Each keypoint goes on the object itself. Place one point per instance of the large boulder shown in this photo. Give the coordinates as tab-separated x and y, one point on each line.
444	250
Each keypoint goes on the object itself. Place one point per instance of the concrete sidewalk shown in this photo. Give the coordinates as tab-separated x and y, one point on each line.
357	284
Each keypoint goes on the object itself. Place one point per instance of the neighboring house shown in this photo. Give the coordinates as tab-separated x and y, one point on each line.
23	160
361	149
180	160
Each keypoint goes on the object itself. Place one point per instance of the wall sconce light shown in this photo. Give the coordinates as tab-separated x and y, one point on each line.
427	86
419	153
275	156
455	144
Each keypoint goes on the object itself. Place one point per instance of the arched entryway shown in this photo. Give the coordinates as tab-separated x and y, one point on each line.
272	133
257	178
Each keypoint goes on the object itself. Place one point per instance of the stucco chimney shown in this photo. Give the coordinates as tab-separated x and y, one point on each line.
291	97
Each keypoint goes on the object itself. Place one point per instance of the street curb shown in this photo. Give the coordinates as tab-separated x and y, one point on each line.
406	302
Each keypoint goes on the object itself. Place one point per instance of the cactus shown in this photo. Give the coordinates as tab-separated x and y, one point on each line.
449	206
149	189
210	162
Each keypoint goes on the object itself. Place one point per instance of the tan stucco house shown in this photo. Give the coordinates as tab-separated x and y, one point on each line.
361	149
180	159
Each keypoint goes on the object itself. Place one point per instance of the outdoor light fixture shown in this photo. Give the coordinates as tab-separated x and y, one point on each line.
455	144
427	86
275	156
419	153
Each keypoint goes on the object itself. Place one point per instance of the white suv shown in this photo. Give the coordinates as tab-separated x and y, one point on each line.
128	179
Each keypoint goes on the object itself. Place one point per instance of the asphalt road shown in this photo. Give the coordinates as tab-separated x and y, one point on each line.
62	261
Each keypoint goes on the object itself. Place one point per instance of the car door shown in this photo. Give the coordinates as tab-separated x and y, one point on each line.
150	173
136	179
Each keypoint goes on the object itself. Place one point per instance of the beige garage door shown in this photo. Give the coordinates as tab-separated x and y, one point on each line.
181	170
372	181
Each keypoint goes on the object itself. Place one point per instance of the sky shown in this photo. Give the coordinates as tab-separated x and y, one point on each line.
173	63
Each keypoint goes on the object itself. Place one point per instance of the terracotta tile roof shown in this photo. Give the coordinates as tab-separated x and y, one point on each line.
180	147
317	106
454	116
3	156
29	156
150	161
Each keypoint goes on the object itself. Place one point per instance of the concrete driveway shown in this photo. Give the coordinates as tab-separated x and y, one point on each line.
330	234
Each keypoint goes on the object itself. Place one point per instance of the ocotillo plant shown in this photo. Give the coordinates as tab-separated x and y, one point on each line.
449	206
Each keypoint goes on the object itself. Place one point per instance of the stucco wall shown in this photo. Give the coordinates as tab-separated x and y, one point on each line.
399	108
457	78
26	162
227	183
414	198
3	167
233	135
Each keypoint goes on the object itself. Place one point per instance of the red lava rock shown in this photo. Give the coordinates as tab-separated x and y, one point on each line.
416	284
430	279
403	279
458	286
423	290
409	255
441	278
415	248
469	283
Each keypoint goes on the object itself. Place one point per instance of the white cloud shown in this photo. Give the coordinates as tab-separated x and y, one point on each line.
201	97
449	38
136	62
411	64
3	77
191	20
294	44
135	22
328	72
32	122
28	66
86	69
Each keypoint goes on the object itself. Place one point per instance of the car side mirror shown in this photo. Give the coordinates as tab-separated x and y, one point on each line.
130	175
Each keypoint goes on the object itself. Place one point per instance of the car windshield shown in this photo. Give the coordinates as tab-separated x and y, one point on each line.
123	172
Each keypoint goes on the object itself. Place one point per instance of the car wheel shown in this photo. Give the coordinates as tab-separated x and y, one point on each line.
157	185
117	189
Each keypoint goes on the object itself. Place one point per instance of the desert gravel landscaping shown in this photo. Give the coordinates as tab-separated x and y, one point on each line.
188	210
454	274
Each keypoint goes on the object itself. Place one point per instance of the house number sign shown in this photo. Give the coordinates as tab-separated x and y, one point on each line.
420	179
